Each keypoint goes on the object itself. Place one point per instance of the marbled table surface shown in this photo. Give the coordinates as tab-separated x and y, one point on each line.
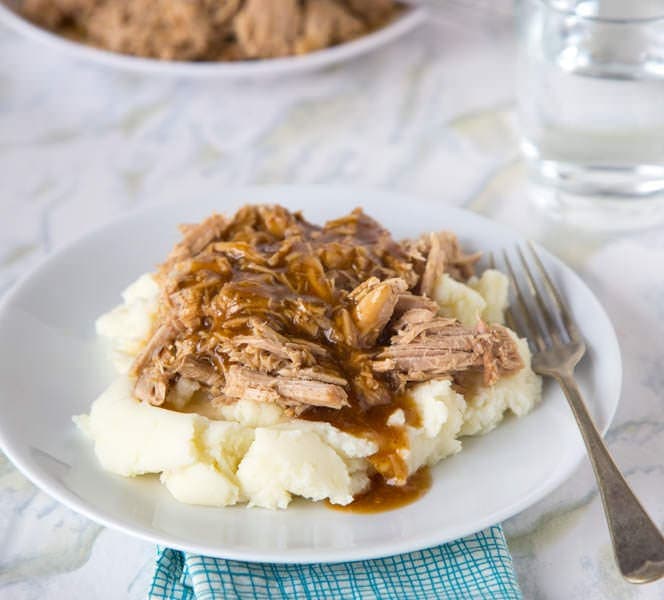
430	115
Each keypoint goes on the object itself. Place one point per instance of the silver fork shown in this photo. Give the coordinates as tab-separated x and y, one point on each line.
558	347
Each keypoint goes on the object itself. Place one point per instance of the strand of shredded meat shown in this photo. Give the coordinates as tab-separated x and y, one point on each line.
270	307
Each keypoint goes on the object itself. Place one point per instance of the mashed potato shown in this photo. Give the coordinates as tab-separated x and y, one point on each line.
128	325
518	393
482	298
254	453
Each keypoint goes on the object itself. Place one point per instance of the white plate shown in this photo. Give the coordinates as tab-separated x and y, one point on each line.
51	367
276	66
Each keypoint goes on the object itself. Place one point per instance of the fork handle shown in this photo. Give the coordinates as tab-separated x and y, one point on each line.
637	542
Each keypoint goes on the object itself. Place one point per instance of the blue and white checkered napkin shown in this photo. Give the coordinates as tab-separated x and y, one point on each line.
475	567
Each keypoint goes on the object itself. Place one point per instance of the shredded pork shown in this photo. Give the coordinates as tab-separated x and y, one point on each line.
267	306
210	30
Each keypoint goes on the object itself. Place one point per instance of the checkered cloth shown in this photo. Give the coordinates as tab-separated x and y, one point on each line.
475	567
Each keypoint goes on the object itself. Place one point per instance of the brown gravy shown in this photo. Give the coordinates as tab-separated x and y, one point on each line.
372	425
382	497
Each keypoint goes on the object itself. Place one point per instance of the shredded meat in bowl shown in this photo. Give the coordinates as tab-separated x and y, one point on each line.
210	30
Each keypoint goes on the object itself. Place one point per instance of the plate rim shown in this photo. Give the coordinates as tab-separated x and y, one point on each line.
291	65
303	556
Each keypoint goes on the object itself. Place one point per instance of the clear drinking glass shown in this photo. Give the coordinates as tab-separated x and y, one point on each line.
591	104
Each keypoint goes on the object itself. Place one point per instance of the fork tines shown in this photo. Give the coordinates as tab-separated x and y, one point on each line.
542	318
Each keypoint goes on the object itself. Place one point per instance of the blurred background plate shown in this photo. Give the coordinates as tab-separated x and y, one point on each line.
403	24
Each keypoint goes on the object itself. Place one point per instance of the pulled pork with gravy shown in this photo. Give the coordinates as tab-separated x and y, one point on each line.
321	321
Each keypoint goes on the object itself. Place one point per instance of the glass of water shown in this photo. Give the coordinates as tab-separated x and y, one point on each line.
591	106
